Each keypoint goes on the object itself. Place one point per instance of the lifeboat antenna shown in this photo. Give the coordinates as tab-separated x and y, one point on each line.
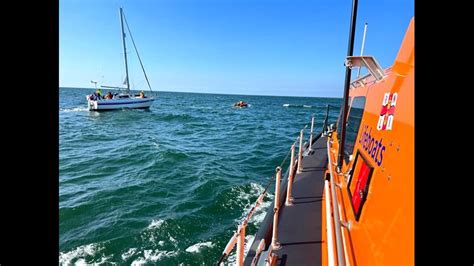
362	48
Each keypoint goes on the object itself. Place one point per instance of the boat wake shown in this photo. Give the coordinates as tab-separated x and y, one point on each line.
75	109
196	247
79	254
155	224
152	256
245	197
297	105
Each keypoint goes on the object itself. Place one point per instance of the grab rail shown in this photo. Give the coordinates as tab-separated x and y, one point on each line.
291	175
311	133
261	245
300	154
335	206
325	124
276	208
329	225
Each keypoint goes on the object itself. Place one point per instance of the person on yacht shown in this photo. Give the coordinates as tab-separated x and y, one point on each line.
108	96
98	92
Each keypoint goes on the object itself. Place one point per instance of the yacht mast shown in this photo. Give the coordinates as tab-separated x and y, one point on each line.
124	50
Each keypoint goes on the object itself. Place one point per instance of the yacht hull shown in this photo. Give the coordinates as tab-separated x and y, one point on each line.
113	104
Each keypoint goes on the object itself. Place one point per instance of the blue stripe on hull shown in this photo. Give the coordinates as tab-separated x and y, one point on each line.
102	110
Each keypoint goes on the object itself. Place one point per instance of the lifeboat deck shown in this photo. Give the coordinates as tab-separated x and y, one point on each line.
299	226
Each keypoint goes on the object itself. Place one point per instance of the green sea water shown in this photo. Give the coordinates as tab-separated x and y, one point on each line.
168	185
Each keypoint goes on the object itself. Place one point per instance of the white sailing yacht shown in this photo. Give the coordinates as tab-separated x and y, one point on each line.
124	99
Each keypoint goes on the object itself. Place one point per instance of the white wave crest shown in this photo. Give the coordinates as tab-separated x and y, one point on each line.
260	212
139	261
129	253
152	256
196	247
173	240
80	262
155	224
76	109
255	190
80	252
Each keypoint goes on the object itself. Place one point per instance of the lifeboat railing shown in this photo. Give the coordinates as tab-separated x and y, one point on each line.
325	123
334	218
295	165
368	62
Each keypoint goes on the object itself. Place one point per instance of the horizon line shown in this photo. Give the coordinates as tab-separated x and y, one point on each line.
219	93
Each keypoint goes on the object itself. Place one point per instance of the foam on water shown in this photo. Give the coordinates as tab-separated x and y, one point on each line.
196	247
155	224
153	256
75	109
130	252
79	262
65	258
260	212
297	105
172	240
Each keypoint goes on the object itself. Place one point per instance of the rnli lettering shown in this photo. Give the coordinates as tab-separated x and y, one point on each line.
372	146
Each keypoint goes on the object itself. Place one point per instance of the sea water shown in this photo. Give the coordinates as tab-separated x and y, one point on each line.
169	185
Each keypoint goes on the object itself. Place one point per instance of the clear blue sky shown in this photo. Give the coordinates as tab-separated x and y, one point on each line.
260	47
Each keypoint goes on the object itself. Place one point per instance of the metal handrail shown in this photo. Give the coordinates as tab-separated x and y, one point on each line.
300	154
261	245
335	205
276	208
228	248
329	230
311	133
291	175
325	124
270	256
